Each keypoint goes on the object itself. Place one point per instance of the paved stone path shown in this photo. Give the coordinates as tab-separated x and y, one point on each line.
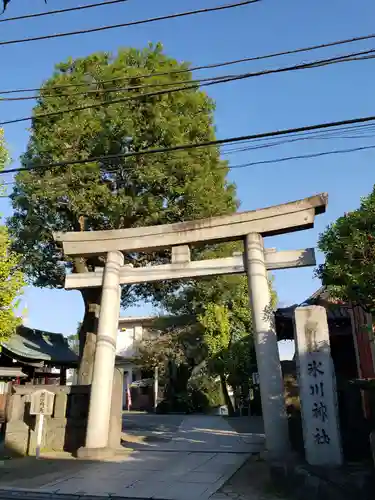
197	433
191	463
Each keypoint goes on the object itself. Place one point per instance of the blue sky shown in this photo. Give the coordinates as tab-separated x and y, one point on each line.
260	104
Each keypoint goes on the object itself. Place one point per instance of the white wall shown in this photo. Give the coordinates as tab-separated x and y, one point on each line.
127	339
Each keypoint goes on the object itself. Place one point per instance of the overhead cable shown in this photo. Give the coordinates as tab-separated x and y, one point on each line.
202	67
131	23
276	160
370	54
61	11
301	157
354	56
188	146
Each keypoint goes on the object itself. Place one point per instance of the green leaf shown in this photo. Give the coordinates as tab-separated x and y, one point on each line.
11	276
349	248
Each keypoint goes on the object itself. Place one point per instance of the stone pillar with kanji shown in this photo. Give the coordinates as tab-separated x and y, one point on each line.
317	386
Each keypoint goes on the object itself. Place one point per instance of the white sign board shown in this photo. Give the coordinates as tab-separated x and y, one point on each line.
42	403
317	386
256	378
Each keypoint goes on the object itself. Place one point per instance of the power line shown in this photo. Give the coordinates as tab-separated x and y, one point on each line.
297	139
326	134
278	160
62	11
302	157
202	67
213	81
113	89
354	56
188	146
296	136
131	23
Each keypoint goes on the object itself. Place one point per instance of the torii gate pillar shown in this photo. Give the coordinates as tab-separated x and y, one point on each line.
104	362
267	353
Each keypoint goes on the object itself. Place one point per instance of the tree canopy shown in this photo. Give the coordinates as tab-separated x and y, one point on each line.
349	248
11	276
119	192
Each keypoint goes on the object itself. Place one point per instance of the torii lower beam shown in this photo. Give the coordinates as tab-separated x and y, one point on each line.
286	259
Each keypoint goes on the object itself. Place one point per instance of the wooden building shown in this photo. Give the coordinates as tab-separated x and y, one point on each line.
33	357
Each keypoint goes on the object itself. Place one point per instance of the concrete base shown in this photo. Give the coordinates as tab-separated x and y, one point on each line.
95	453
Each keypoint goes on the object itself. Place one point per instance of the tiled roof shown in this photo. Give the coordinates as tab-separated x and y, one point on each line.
37	345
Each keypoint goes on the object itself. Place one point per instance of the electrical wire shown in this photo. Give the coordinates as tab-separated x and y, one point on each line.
281	159
302	157
113	89
326	134
188	146
62	11
354	56
202	67
131	23
288	141
213	81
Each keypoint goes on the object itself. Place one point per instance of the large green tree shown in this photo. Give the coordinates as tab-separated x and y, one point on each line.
349	248
118	192
11	276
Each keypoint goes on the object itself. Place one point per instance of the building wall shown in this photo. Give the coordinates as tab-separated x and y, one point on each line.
131	331
129	334
127	338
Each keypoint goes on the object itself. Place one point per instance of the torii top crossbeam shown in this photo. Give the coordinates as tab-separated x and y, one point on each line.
270	221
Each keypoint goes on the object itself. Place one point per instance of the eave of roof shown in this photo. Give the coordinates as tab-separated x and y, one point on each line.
11	372
38	345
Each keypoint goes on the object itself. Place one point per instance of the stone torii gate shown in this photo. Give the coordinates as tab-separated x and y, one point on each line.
250	227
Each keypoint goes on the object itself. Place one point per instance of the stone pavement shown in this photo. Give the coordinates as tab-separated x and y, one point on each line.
193	464
201	433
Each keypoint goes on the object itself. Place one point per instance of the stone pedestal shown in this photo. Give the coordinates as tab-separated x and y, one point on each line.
267	353
99	454
316	376
64	430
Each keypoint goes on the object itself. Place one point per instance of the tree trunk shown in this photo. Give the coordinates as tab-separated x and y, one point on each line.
227	399
87	334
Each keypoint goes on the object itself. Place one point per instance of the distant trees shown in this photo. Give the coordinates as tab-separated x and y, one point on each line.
11	276
214	341
349	248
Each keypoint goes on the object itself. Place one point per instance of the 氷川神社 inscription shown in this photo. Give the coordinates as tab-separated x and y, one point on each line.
317	387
